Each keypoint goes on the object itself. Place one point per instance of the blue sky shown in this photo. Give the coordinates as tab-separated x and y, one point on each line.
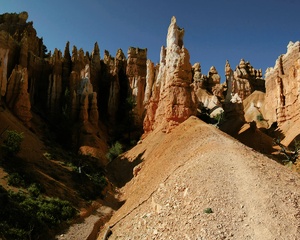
257	30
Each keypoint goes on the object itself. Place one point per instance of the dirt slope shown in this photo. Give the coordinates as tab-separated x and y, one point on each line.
196	167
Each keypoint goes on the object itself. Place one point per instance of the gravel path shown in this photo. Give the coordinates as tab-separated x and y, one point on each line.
195	169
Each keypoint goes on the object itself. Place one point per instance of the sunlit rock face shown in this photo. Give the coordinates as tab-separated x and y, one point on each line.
282	101
244	80
171	102
136	72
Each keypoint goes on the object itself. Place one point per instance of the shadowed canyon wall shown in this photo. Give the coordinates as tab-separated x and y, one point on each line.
89	97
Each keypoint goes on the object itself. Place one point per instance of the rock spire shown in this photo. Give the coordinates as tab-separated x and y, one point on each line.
171	102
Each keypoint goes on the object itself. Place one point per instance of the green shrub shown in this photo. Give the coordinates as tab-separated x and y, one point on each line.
55	210
208	210
99	180
12	143
51	211
219	119
34	190
25	217
16	180
260	117
114	151
12	232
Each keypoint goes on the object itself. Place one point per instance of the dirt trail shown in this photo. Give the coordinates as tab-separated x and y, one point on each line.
195	168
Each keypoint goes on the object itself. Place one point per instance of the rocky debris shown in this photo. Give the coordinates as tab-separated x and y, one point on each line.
88	227
175	203
173	93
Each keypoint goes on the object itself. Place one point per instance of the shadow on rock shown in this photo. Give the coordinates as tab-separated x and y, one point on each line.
120	170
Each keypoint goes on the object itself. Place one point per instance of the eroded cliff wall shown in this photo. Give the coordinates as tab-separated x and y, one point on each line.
282	101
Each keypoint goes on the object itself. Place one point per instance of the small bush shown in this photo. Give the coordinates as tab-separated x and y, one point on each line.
16	180
99	180
219	119
25	217
208	210
53	211
12	143
260	117
290	155
114	151
12	232
34	190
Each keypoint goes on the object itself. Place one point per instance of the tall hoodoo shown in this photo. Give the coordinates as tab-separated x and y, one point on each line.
136	71
118	90
175	103
95	67
55	85
150	77
3	71
17	96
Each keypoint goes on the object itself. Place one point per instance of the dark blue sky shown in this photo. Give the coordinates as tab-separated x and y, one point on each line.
257	30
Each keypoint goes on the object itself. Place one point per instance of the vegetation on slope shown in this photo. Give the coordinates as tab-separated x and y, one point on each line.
33	207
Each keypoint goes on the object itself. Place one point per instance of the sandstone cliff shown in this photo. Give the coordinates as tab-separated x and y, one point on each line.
51	83
17	96
282	92
172	101
15	35
136	71
120	90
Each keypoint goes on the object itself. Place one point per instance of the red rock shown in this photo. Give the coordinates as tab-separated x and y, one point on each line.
172	92
17	96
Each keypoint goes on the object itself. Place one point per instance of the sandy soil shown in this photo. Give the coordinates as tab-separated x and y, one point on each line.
183	173
197	167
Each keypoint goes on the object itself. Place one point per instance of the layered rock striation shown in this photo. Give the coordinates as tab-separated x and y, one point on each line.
123	88
282	91
136	72
101	96
171	102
